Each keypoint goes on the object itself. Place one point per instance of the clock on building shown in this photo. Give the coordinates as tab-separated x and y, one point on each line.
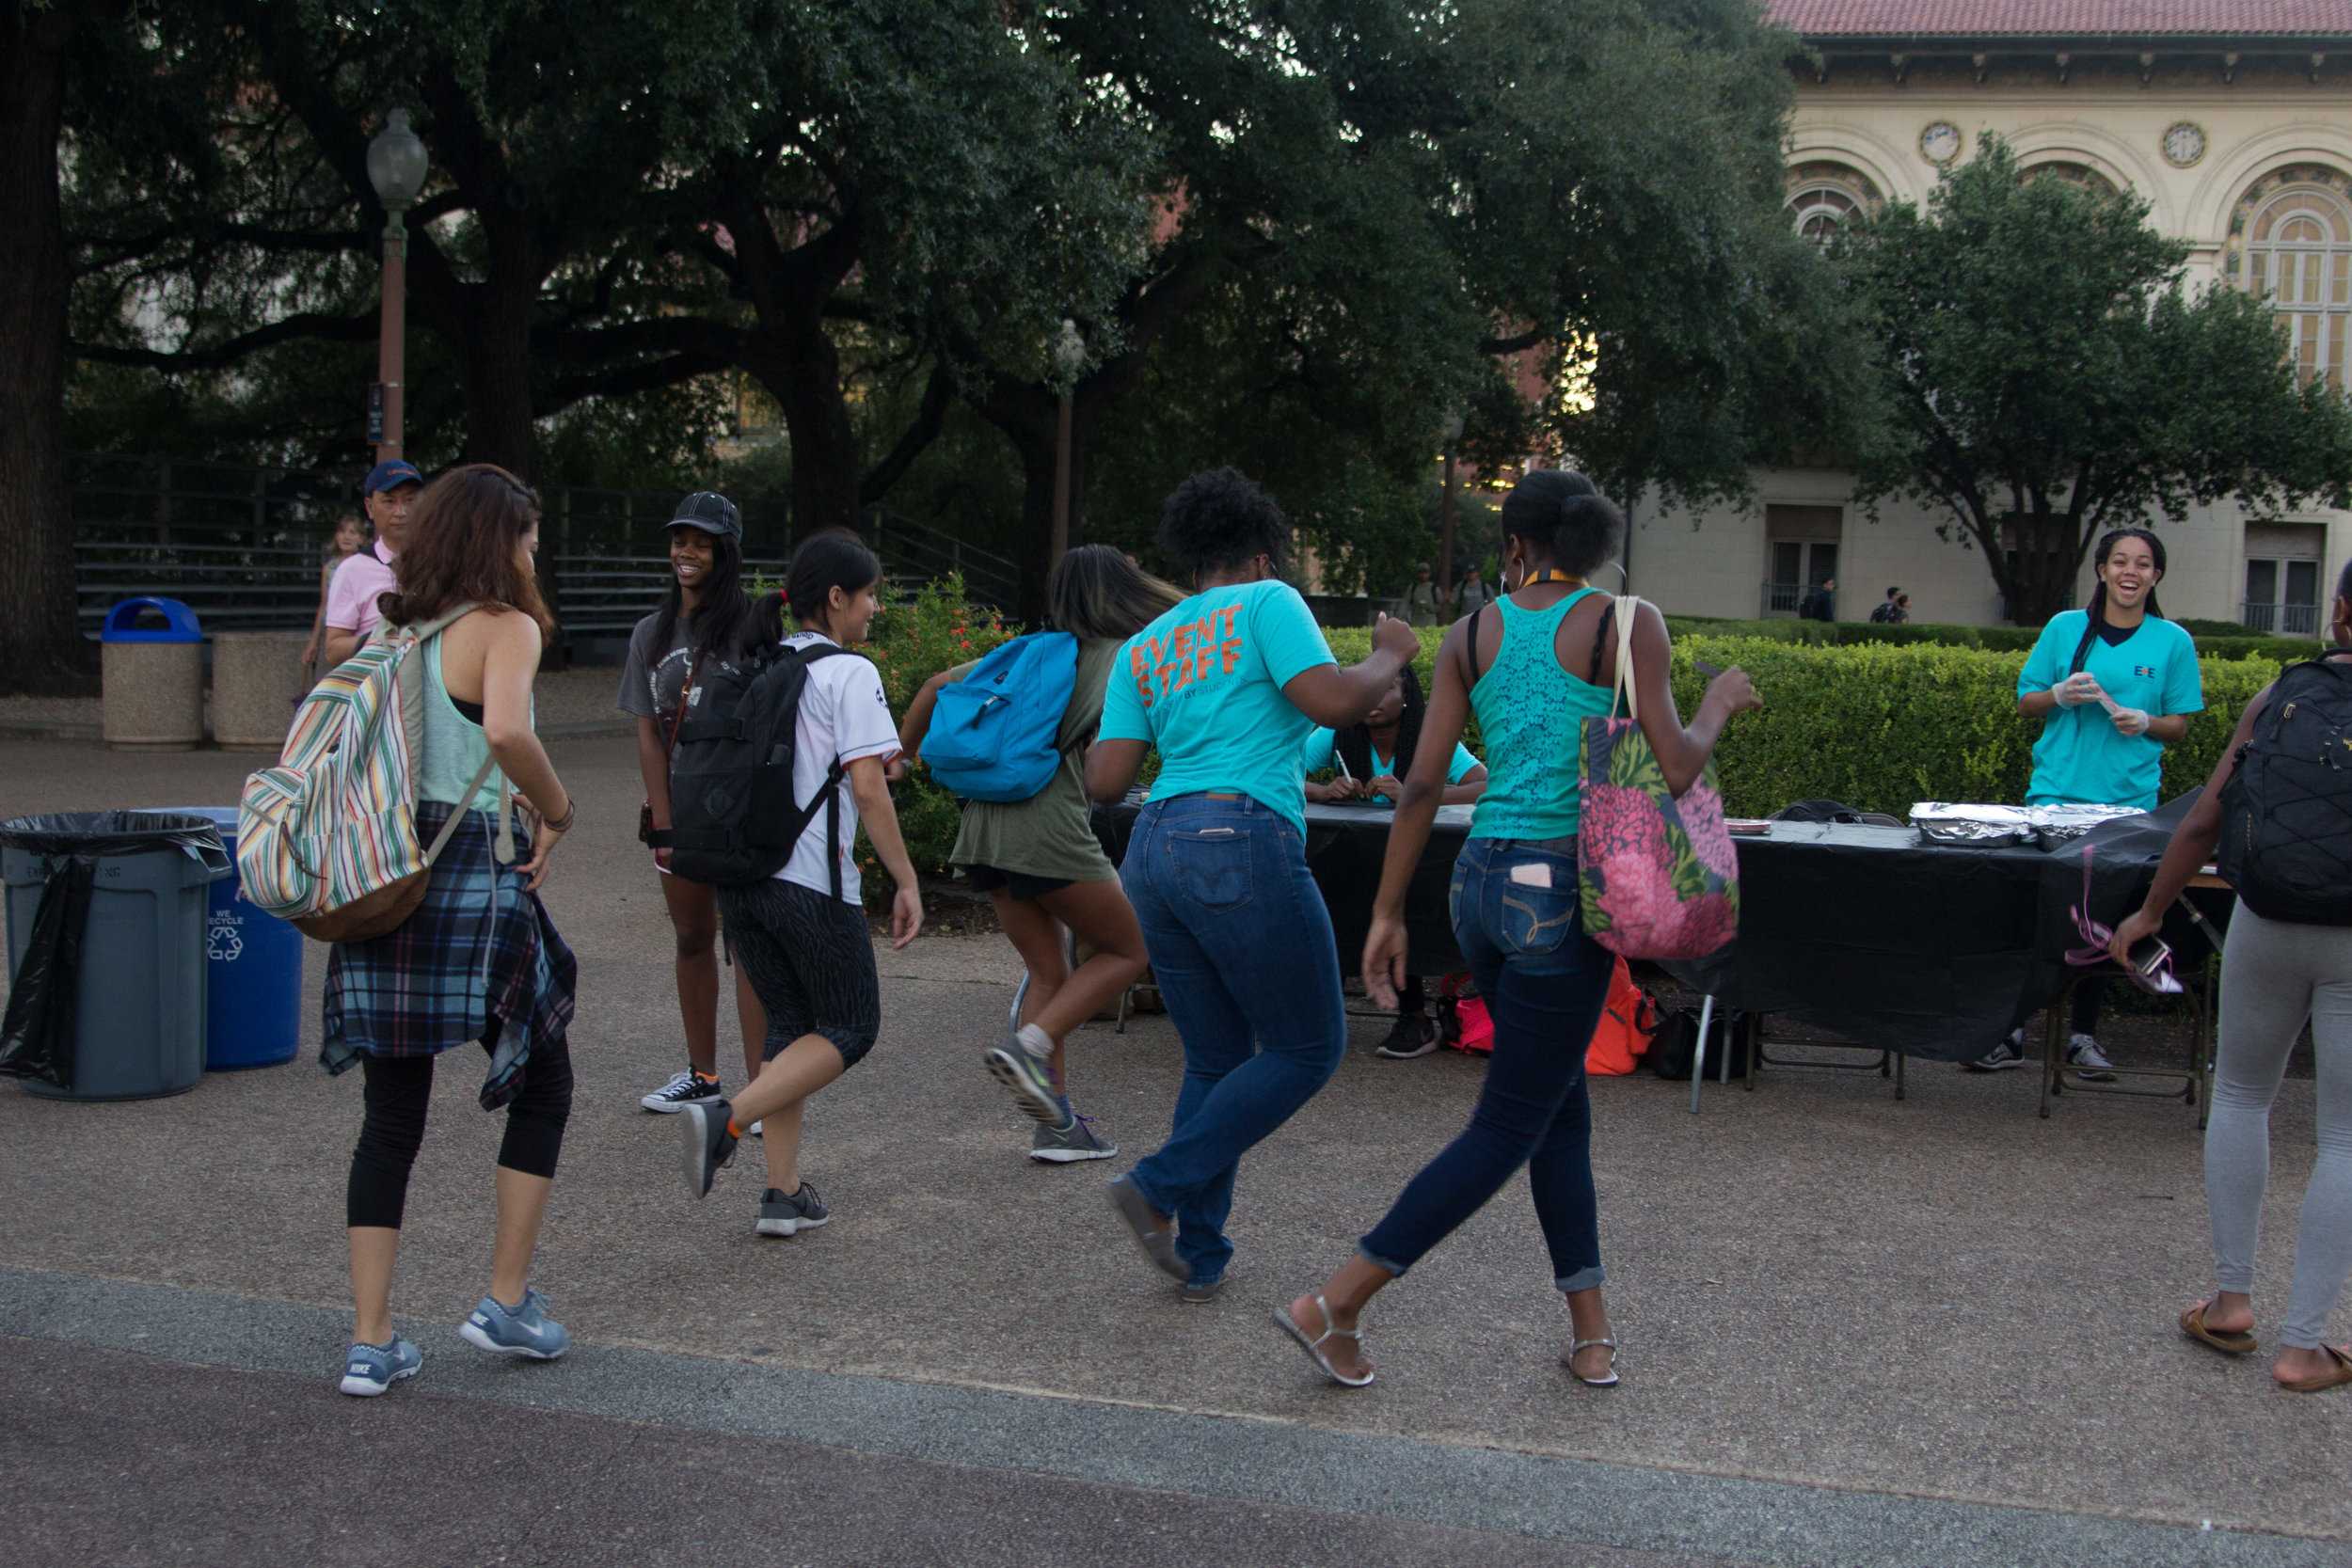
2183	144
1939	142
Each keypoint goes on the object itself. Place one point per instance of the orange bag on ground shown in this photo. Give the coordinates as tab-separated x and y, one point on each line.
1629	1021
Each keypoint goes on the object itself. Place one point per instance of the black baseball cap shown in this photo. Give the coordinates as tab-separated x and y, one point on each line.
710	512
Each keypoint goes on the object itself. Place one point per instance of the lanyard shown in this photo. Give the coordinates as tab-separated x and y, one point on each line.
1551	575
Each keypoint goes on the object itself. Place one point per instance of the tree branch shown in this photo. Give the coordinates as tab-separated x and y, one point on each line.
929	421
331	328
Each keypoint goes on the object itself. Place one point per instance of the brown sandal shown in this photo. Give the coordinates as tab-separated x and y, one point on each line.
2319	1382
2228	1341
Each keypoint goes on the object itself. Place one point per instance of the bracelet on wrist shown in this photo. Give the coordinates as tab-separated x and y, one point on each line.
571	813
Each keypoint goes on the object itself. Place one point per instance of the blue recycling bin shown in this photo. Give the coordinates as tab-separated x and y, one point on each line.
253	960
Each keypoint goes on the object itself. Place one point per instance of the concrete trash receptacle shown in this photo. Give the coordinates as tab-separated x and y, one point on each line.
151	664
253	965
137	983
257	679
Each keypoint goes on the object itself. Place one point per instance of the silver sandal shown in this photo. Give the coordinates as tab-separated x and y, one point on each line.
1314	1347
1569	1361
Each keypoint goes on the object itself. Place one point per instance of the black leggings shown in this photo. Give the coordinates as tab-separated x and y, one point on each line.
399	1092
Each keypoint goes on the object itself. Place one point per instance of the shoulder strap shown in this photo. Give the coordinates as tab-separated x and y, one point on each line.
1625	609
1600	639
685	695
1470	643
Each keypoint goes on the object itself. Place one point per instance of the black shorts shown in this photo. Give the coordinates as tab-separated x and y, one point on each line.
811	962
1016	884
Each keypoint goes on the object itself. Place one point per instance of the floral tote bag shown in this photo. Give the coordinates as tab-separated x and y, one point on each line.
1657	876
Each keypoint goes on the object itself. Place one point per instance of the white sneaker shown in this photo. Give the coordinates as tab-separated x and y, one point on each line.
2088	1062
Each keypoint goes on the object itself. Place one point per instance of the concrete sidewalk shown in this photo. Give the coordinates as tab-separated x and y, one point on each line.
1933	1331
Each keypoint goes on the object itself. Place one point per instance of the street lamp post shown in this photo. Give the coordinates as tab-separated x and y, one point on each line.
1451	434
1070	353
396	168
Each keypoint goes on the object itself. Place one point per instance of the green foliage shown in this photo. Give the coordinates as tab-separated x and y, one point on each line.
1880	727
2238	644
2049	377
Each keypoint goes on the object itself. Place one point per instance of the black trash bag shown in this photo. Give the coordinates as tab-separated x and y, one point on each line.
36	1037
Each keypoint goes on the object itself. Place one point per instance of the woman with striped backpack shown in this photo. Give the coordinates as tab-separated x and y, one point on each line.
478	959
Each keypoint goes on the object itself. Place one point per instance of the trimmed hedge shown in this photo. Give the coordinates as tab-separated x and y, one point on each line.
1879	726
2240	643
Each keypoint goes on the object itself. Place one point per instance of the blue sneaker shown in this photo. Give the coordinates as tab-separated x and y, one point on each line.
369	1369
526	1330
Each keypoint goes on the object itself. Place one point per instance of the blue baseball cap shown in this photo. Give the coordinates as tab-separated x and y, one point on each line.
391	475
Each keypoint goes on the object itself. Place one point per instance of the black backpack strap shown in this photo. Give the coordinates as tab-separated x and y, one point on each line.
1600	641
1469	642
833	776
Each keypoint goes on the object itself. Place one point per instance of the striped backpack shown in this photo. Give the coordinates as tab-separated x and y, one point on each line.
326	840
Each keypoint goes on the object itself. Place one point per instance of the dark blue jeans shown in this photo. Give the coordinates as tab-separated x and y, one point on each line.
1544	981
1241	950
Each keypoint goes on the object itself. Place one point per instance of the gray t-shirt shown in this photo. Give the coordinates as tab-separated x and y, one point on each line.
650	682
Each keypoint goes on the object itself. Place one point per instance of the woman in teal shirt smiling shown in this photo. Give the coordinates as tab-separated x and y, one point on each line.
1226	685
2113	685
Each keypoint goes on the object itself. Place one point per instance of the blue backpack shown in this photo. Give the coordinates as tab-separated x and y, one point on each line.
994	734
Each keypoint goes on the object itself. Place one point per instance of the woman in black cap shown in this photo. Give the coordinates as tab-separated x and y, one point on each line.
703	626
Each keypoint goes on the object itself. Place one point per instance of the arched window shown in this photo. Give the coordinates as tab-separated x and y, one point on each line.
1822	195
2290	242
2074	174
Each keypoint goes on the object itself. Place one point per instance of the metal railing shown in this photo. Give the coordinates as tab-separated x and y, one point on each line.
244	546
1782	598
2283	620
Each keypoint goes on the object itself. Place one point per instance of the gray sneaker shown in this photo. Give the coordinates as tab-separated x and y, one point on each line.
1200	1291
2088	1062
708	1145
1153	1233
1062	1146
2009	1052
788	1215
1030	1074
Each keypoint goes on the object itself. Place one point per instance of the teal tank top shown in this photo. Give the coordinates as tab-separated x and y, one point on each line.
454	746
1531	715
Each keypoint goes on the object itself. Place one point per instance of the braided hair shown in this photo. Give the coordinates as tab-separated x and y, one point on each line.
2099	596
1354	743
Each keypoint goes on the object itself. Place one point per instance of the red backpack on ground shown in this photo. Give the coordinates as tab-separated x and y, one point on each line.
1627	1020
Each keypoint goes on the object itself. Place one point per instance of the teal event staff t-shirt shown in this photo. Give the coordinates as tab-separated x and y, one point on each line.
1321	752
2082	758
1204	684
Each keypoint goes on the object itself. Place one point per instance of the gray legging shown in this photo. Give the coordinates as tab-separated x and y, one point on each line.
2274	974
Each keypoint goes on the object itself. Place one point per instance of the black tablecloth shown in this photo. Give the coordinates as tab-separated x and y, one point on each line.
1868	933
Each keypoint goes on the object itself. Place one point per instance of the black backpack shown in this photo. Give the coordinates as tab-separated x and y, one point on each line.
2286	813
732	814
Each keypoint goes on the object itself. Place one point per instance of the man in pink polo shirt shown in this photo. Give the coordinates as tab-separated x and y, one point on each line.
358	582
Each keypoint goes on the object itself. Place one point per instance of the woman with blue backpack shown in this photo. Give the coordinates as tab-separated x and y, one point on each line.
2278	808
1225	685
1028	709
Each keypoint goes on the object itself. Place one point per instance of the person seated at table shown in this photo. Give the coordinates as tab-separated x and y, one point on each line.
2277	976
1531	668
1371	758
2114	685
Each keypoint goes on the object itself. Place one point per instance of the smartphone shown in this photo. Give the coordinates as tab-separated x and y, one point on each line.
2149	959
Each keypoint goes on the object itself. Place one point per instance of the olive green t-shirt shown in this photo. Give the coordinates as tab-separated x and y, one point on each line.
1051	833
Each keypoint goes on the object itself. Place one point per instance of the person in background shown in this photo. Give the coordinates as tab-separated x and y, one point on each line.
2277	976
354	592
1042	866
802	934
1371	757
1530	670
2113	686
1472	594
704	627
1226	685
479	959
351	537
1890	609
1425	601
1902	609
1821	604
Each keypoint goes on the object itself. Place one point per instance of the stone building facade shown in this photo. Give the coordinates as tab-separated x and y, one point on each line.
2233	117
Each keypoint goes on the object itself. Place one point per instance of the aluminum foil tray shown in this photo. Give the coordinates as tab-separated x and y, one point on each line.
1946	823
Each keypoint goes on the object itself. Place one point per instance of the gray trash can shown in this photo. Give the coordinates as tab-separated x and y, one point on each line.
152	676
107	983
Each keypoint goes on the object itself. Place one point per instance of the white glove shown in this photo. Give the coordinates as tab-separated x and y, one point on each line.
2077	690
2131	720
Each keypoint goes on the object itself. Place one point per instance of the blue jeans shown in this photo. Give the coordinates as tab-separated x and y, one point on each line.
1544	982
1241	949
